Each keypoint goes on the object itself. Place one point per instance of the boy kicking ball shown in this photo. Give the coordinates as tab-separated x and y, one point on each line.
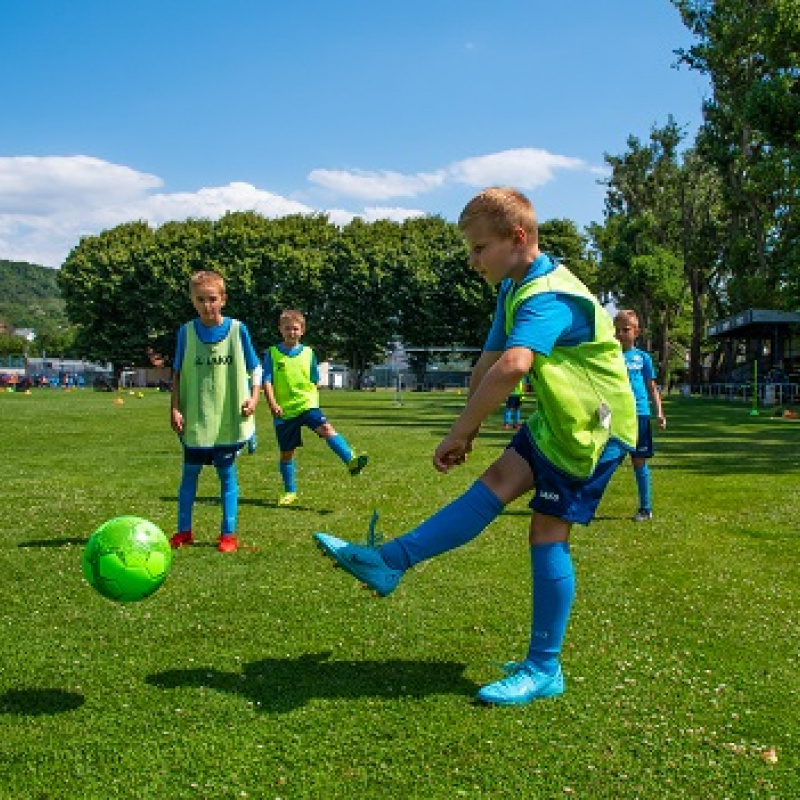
548	326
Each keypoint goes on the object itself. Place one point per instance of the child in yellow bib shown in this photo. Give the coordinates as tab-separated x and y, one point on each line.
548	327
216	377
290	377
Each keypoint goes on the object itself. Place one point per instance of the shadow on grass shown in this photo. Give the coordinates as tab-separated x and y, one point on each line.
38	702
279	685
64	541
257	502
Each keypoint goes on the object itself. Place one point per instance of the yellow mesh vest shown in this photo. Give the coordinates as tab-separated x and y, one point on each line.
214	384
291	381
583	393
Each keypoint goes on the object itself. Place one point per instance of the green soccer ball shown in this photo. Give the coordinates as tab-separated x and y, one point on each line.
127	559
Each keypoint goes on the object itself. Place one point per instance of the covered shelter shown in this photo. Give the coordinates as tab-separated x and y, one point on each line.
761	338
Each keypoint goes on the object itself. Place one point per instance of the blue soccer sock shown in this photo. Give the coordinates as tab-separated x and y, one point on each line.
339	446
644	484
507	417
553	579
229	495
187	494
454	525
289	475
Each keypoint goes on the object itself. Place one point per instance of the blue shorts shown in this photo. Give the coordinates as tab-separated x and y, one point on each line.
561	495
220	456
288	430
644	441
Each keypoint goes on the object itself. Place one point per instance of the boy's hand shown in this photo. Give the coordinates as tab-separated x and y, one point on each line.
177	421
276	410
662	421
248	407
451	452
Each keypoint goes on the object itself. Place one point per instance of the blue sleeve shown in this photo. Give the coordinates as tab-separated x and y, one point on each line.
648	370
180	349
266	365
250	355
545	320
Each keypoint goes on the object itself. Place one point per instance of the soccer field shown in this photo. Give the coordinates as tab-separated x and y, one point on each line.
267	674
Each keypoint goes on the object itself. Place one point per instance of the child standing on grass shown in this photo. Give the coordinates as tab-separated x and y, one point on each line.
290	378
549	326
214	395
642	376
512	416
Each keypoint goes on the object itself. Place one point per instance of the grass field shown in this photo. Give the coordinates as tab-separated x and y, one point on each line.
267	674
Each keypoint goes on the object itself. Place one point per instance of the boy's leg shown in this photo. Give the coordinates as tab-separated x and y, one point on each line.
229	497
288	469
644	486
553	590
187	493
454	525
558	503
339	445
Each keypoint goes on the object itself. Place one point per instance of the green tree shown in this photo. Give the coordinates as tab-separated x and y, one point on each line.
750	52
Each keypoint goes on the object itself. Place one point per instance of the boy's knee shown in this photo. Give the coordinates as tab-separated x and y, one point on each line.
546	529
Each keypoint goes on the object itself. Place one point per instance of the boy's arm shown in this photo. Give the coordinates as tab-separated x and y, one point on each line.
249	405
269	394
496	382
655	396
176	418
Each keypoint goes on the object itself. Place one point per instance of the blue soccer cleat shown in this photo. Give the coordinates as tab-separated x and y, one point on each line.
524	683
362	562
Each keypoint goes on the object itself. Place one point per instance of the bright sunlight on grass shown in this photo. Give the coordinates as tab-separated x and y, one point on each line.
267	674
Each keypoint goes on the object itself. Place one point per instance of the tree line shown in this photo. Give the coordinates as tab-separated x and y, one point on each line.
363	286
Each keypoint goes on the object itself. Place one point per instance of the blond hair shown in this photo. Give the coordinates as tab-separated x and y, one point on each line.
504	209
292	315
206	277
627	315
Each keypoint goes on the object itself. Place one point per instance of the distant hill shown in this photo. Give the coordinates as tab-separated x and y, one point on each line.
29	297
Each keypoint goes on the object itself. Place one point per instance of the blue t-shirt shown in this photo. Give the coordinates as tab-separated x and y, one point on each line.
640	372
212	336
542	322
288	351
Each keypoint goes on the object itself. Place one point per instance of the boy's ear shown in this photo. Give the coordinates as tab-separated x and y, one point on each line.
519	235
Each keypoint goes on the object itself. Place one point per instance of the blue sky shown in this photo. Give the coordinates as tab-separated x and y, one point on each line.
117	110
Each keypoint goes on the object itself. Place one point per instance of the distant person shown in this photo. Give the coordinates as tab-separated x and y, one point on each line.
642	376
512	416
549	326
215	391
290	378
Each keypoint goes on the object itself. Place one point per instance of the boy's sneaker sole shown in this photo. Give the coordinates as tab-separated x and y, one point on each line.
287	499
362	562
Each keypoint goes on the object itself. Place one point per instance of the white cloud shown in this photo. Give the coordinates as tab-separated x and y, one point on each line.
376	185
47	203
44	184
524	168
